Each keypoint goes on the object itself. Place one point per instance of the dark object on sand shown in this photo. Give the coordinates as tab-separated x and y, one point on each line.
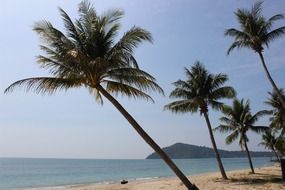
124	181
283	168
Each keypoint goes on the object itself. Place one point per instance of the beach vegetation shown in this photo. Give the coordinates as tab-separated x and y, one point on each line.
255	33
269	141
88	54
198	92
238	121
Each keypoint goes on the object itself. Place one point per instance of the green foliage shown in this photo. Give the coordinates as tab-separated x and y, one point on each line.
238	120
278	112
280	145
277	120
255	30
268	139
199	90
87	55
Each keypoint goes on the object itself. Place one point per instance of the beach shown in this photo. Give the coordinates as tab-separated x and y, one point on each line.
268	178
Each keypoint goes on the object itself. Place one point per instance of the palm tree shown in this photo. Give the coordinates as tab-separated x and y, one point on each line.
256	33
280	145
278	118
199	91
238	120
88	55
269	142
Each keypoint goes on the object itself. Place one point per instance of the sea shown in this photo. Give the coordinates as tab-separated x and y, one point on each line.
32	173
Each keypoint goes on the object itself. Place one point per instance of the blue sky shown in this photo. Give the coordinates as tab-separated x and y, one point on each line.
72	125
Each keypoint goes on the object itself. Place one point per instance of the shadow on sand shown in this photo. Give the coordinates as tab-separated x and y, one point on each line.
257	178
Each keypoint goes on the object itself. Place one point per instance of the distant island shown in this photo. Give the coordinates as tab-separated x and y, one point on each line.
184	151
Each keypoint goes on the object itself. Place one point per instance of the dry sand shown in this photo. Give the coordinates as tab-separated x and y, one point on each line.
266	178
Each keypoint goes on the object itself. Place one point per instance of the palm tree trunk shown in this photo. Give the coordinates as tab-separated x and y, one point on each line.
215	146
148	139
249	158
273	149
275	88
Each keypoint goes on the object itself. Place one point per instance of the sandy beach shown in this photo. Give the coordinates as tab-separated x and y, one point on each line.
268	178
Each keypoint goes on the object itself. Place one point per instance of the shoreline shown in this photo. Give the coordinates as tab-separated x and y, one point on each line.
269	176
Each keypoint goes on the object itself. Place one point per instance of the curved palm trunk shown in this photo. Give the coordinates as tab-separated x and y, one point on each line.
271	80
148	139
273	149
215	147
249	157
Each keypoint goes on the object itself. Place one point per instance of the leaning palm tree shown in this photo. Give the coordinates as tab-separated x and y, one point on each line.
88	55
199	91
269	141
256	33
238	120
278	112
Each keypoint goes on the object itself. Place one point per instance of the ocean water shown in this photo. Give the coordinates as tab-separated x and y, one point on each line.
25	173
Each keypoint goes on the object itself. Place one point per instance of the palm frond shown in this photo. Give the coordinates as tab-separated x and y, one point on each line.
56	68
227	110
44	85
259	114
232	137
223	92
71	29
228	121
135	77
256	9
180	93
98	97
182	85
53	37
218	80
123	89
268	25
237	34
224	128
274	34
276	17
112	17
238	45
87	12
182	106
131	39
216	105
259	129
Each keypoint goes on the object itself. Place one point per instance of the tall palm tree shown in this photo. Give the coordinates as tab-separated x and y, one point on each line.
255	33
269	142
88	55
199	91
278	111
238	120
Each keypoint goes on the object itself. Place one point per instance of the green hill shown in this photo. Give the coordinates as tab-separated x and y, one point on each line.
182	151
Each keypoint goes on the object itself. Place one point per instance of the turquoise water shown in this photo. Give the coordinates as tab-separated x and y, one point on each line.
22	173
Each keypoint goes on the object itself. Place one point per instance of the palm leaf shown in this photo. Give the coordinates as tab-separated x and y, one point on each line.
182	106
44	85
274	34
259	114
119	88
223	92
224	128
259	129
131	39
232	137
